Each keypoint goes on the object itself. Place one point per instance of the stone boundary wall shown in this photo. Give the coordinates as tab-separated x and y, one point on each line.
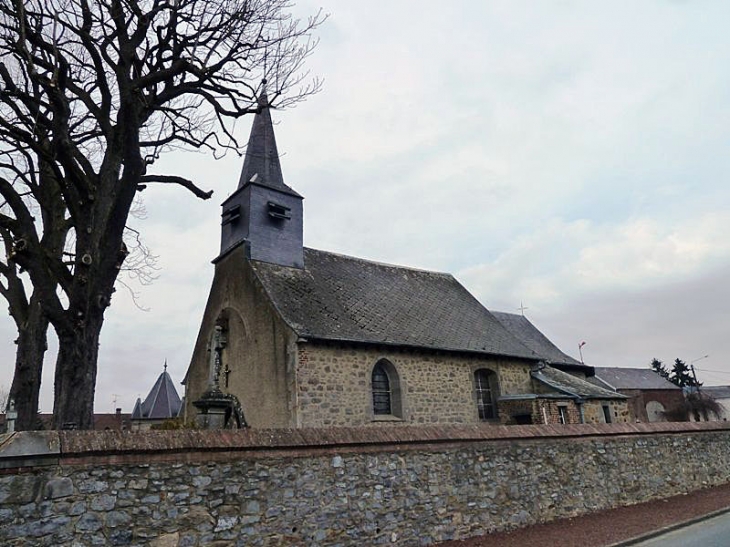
370	486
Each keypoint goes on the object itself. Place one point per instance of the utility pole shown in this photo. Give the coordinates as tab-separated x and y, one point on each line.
694	374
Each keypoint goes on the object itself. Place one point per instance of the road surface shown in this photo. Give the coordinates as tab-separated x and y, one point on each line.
714	532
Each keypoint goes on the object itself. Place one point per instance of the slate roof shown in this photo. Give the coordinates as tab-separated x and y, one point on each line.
342	298
101	421
530	336
717	392
572	385
262	157
162	403
632	378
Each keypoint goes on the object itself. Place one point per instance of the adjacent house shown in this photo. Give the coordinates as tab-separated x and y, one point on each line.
650	394
116	421
299	337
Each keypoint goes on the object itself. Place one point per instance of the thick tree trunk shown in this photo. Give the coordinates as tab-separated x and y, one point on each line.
76	367
32	345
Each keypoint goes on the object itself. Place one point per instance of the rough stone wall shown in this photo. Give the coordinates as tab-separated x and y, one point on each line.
259	351
334	384
508	409
550	409
342	487
545	411
620	411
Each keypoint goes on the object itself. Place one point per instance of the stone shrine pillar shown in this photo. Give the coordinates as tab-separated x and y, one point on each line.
218	410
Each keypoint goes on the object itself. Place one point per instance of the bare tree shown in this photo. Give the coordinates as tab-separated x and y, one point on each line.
32	323
26	310
696	405
92	92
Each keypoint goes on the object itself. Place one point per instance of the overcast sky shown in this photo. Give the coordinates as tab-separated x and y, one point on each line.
572	156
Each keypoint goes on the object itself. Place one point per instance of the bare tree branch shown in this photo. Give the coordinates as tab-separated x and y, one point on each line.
172	179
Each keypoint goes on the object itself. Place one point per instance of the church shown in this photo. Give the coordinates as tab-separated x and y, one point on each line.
298	337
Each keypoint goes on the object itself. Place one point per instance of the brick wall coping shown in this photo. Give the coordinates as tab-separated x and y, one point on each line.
33	448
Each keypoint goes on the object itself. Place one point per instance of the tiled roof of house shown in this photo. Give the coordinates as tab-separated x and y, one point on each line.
343	298
530	336
717	392
162	402
117	421
572	385
632	378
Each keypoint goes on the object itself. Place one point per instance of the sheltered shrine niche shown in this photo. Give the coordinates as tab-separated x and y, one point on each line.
218	408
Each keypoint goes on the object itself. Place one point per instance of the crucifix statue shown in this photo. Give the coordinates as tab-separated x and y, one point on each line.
226	371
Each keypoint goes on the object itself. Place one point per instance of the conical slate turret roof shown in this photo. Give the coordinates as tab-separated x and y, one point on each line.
261	164
162	402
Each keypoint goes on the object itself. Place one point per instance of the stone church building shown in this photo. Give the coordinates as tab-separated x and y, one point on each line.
299	337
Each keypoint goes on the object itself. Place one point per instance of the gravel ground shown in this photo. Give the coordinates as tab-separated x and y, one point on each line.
608	527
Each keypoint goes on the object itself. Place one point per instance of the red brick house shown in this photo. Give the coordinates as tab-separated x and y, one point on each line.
650	394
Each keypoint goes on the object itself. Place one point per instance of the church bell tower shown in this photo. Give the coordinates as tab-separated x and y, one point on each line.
263	214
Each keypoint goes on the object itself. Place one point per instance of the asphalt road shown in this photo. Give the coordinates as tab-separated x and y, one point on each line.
714	532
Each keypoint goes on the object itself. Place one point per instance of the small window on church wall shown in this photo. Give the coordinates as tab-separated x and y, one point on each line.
563	414
381	391
485	382
607	414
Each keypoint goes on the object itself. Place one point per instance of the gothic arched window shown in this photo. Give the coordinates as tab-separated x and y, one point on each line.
487	389
385	387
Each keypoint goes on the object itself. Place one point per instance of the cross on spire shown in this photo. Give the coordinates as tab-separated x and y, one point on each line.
522	308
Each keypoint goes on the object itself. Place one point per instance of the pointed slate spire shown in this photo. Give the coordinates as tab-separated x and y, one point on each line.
263	214
261	164
161	403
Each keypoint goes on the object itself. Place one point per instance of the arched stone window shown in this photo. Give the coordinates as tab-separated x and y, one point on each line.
487	389
385	386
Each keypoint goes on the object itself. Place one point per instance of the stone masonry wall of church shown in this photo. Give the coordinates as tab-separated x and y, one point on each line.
346	487
333	384
256	363
619	409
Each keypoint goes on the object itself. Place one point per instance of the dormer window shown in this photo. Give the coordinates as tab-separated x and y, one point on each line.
278	211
